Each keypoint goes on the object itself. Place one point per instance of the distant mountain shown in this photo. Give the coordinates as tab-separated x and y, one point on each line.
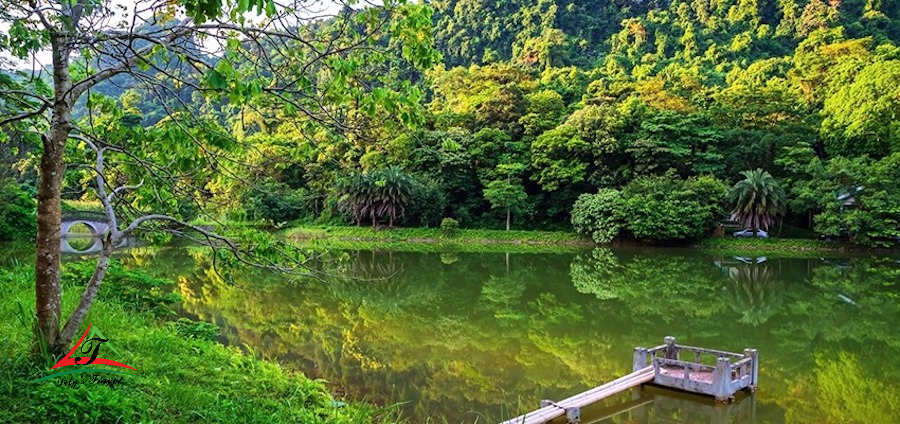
566	32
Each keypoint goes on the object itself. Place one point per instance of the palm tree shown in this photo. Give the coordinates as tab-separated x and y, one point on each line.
357	196
391	193
758	200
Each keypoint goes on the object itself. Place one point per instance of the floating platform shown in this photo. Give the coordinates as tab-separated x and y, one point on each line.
683	368
686	368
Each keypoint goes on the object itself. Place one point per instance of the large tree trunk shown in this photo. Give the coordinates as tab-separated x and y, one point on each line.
46	267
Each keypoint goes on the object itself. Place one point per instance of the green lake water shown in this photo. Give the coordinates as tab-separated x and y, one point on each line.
477	337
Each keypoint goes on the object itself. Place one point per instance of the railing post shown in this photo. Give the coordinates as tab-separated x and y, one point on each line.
640	359
573	415
754	367
722	380
671	349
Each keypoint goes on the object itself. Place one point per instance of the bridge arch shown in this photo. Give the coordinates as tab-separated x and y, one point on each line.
98	228
65	226
95	246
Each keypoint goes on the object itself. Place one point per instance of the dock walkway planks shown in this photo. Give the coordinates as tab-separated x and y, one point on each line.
583	399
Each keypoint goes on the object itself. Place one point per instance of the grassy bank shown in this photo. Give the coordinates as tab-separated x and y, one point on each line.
435	239
770	244
182	376
774	245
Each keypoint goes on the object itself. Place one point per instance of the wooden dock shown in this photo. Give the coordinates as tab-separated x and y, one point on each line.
665	366
571	407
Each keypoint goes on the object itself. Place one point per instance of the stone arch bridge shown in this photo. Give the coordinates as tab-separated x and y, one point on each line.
81	243
94	221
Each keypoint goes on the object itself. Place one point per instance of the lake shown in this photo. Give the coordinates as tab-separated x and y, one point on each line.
478	337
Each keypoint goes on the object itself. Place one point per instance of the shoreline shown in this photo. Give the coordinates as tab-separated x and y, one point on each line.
477	240
433	239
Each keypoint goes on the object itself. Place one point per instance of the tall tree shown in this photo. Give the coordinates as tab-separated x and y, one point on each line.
507	193
758	200
314	59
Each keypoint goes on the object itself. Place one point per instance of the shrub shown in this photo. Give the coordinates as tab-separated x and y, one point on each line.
275	202
449	225
598	216
667	208
426	204
18	211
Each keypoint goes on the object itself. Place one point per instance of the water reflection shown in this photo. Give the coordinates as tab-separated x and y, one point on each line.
754	292
468	337
76	244
650	404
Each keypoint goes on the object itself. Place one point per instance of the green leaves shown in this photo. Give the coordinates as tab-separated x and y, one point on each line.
202	10
506	194
758	200
662	208
24	38
858	197
861	118
598	215
558	157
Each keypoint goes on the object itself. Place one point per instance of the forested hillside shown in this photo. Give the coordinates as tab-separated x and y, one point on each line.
648	112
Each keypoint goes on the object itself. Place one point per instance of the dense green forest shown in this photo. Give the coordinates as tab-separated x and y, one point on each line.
639	115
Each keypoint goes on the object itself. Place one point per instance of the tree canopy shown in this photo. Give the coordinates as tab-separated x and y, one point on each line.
254	109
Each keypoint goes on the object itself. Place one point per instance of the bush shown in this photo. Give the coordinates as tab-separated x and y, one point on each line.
598	216
449	225
276	202
662	208
18	212
426	203
667	208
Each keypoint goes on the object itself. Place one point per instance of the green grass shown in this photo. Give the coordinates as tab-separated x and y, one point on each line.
82	206
773	244
181	375
433	239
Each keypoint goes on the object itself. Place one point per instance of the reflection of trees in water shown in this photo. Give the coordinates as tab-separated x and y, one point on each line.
595	274
373	265
449	337
503	296
378	281
665	286
754	293
840	390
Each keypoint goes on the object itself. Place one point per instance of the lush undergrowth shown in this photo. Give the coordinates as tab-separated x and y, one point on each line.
181	376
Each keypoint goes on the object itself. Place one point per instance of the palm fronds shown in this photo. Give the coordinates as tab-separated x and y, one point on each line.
758	200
